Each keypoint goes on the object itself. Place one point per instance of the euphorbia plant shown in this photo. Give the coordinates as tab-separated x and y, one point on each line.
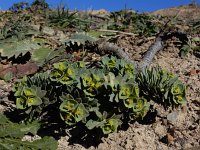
128	90
103	99
163	86
91	83
139	109
105	123
72	110
127	69
111	125
29	96
178	92
110	64
63	72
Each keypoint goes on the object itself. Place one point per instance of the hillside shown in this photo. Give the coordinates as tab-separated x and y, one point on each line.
73	80
186	12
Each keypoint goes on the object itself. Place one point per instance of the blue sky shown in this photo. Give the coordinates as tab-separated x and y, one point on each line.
110	5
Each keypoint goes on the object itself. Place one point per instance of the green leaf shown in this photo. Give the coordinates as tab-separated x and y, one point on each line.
9	129
68	76
61	66
128	90
179	99
34	101
68	118
91	124
29	92
79	39
56	75
21	103
91	83
110	64
39	92
178	88
140	108
31	96
80	113
129	102
46	143
68	105
16	48
39	55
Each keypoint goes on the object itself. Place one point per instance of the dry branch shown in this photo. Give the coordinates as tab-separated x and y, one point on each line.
117	32
158	45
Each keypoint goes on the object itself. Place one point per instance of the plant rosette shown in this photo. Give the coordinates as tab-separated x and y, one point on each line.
29	96
91	83
140	109
63	73
178	92
71	111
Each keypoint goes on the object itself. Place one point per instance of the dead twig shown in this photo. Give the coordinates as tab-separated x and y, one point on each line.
117	32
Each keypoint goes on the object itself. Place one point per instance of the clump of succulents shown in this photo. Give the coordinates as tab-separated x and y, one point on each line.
163	86
103	99
118	66
34	94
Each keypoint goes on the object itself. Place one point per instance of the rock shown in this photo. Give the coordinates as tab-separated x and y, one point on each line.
48	31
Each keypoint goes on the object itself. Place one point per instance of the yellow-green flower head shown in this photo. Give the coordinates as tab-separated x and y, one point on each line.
110	126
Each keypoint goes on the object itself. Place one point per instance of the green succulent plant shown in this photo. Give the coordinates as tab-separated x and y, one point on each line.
129	102
140	108
69	76
110	125
178	92
29	96
110	64
34	96
63	72
91	83
128	90
56	74
71	111
105	123
62	66
127	69
160	84
178	88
